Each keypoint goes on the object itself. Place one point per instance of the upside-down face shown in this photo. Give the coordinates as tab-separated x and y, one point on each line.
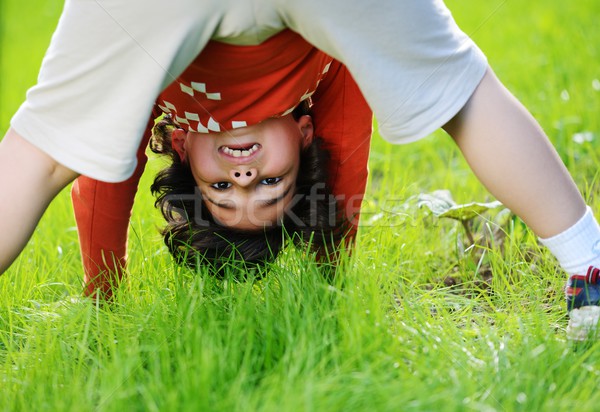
247	176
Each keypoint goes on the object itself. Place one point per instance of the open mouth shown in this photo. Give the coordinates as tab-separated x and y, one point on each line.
240	151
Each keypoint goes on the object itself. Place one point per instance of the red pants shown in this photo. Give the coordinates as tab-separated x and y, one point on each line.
102	210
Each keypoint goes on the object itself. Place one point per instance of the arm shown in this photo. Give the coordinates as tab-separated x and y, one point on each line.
102	212
30	179
510	154
344	120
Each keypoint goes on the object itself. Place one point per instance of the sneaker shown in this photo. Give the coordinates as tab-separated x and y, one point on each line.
583	300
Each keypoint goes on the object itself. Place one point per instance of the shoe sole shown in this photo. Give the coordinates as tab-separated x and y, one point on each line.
583	323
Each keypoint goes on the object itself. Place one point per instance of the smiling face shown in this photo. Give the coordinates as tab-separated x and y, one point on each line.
247	176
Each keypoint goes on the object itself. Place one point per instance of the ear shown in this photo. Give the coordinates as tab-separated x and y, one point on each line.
307	129
178	137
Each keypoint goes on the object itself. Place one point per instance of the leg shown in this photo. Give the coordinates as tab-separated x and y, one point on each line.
29	179
512	157
510	154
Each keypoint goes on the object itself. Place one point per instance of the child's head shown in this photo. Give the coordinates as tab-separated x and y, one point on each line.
247	176
229	195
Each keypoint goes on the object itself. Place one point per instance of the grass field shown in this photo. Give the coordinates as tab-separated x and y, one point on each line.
413	321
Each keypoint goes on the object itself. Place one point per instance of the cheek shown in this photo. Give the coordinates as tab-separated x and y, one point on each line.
203	164
286	157
206	171
282	163
291	158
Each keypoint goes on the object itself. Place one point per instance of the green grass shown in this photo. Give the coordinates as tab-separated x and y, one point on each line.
391	333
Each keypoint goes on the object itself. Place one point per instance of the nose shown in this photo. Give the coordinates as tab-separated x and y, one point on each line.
243	176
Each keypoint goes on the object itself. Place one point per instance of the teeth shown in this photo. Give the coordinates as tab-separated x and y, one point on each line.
240	152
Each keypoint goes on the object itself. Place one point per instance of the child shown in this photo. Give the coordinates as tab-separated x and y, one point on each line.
416	69
343	120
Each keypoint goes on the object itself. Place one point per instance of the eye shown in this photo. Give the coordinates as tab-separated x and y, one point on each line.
221	185
269	181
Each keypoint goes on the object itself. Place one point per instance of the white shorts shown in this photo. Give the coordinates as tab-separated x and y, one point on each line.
109	60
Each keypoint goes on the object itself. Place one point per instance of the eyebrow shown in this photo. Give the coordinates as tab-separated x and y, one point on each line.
265	203
278	199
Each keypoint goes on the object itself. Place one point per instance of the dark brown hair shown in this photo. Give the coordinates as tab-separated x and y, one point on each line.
193	236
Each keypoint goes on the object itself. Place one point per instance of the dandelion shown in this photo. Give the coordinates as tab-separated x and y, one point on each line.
583	137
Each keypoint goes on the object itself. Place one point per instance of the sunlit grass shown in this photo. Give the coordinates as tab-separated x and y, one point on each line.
411	322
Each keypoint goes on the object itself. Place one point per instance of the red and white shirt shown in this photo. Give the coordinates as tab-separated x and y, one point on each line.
229	86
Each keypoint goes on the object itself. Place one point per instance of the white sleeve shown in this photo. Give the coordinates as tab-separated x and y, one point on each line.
415	67
107	62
